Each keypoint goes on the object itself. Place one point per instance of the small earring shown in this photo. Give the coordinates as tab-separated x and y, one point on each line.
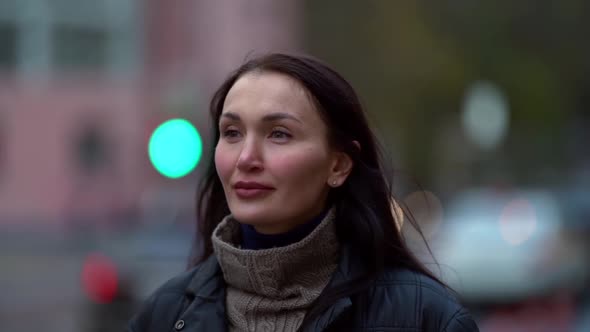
334	183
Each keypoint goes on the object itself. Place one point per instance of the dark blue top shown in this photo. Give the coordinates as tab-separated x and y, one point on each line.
253	240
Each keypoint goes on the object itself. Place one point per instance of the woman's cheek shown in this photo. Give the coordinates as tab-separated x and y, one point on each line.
223	163
297	166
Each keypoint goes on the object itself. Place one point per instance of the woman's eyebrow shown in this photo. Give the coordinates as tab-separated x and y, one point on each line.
279	116
267	118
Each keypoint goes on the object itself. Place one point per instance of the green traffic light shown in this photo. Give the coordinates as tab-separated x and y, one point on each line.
175	148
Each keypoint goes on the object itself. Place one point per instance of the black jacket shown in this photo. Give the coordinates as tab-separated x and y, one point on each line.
399	300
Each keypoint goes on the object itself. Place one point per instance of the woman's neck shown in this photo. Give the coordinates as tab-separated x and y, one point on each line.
253	240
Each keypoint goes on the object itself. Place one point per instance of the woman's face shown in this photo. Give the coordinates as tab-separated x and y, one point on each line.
273	156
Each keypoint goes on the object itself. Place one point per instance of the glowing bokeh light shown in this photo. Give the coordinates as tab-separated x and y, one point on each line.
175	148
99	278
485	114
426	209
518	221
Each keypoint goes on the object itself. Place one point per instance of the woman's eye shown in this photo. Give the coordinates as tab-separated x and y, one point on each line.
279	134
231	133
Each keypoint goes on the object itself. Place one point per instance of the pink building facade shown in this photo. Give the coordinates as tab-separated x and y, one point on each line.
79	96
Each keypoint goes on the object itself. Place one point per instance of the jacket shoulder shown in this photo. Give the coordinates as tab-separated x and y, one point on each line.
405	298
422	285
165	303
179	283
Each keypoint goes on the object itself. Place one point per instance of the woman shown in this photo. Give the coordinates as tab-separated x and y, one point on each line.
296	220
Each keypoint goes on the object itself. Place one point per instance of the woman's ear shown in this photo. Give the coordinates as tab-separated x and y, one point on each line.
341	167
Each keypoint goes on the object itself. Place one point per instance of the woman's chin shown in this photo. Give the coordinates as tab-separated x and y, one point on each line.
250	216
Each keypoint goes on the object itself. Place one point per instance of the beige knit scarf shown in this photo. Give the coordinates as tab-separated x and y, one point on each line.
271	289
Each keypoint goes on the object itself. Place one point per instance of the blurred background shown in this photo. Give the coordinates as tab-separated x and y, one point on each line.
482	106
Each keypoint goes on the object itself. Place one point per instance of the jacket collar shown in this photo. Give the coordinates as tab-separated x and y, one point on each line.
205	299
350	267
207	282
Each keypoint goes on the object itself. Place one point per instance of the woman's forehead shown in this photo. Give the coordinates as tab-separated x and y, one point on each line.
259	93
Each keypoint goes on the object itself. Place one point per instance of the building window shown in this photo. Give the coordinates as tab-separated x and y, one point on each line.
53	36
92	151
8	45
78	47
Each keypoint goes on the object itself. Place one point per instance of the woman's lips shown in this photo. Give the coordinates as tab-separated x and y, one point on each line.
246	189
251	193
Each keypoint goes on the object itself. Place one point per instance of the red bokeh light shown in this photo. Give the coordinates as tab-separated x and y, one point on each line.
99	278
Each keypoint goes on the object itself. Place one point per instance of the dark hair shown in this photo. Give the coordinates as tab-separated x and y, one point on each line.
364	218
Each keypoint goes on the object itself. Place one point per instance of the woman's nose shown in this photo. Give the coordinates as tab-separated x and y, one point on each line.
250	157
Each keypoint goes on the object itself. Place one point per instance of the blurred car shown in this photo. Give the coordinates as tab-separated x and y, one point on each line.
505	246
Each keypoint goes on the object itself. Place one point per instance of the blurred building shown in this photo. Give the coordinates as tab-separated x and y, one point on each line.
83	84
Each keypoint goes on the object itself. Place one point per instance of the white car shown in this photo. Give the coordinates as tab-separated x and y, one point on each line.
499	246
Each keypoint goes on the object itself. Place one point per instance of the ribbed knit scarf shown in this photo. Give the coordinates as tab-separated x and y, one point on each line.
271	289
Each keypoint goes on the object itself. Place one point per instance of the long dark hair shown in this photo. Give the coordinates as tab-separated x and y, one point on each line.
364	218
